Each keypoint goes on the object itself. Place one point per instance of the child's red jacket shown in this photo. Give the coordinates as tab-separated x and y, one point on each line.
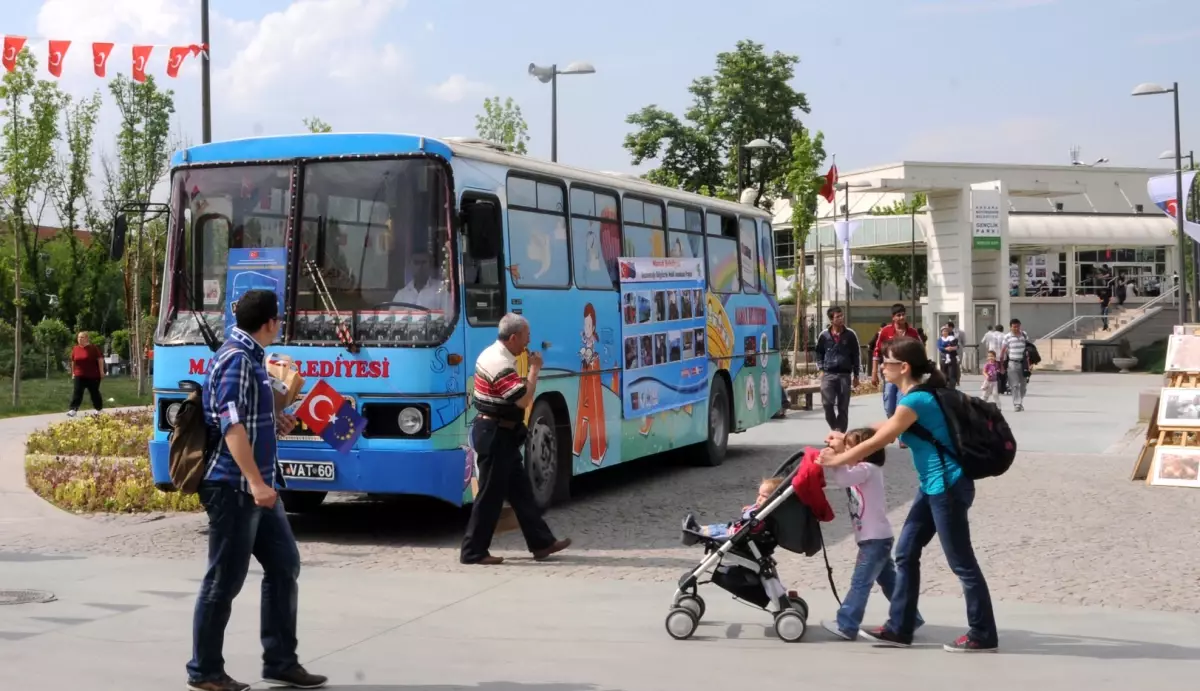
809	485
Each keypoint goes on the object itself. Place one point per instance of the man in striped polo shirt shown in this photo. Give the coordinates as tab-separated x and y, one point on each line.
1015	359
497	435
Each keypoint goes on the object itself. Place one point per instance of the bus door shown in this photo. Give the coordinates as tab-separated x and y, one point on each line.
481	246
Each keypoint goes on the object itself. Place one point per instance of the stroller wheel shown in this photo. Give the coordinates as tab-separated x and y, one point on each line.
693	603
799	603
790	626
681	623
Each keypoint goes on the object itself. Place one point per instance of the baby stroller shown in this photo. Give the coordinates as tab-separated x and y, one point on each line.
743	564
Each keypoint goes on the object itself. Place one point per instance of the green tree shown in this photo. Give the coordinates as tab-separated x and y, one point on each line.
30	131
748	97
143	145
317	125
72	200
803	181
52	338
503	123
898	269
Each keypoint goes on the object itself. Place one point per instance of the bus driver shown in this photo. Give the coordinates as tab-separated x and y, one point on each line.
425	289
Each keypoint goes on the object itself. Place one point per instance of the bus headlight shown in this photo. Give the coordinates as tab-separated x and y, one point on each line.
411	421
173	413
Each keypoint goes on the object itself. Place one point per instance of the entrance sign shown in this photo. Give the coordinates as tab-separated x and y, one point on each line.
985	219
665	361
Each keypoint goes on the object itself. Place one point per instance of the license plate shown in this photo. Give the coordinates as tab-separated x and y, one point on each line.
308	470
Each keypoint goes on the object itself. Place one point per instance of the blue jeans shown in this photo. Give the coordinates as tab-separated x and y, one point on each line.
874	565
945	515
891	395
237	529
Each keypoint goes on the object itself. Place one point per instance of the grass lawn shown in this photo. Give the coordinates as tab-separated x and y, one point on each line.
52	395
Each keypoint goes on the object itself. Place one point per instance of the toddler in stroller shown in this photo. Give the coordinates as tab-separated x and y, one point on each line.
740	555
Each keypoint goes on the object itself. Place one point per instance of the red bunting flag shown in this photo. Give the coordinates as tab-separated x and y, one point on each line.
58	51
12	46
827	189
141	56
175	60
100	53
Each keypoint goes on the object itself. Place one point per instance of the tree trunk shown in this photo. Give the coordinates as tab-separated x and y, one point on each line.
136	355
16	385
799	285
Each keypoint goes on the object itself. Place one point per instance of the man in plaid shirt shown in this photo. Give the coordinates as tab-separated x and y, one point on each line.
245	516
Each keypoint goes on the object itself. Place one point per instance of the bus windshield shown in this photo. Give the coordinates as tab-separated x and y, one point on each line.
372	252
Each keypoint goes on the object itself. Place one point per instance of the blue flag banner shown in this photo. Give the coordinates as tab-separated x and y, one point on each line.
251	268
663	334
1161	189
344	428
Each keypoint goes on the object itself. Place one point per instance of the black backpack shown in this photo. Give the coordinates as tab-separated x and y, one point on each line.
984	443
1032	352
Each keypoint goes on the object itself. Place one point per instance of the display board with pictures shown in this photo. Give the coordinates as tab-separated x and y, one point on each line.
665	359
1170	455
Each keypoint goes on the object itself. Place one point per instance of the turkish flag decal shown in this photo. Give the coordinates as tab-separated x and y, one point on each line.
141	56
100	53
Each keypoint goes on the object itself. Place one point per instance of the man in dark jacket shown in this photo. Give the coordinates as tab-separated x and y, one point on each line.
839	361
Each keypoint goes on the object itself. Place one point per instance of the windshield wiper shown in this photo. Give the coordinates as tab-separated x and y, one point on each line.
210	339
345	335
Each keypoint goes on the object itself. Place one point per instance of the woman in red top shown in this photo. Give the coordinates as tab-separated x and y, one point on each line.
87	366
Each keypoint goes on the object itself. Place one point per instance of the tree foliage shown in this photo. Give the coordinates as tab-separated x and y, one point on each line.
503	123
898	270
317	125
749	96
803	181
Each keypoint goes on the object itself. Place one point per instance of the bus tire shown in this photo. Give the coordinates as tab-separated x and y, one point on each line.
549	476
714	447
301	502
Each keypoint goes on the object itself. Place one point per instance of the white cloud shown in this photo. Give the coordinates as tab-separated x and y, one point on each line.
148	20
455	88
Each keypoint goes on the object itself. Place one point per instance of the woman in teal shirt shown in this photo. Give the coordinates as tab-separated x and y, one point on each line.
943	499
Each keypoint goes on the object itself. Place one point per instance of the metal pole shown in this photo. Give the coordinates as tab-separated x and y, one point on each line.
205	94
1195	249
850	263
1179	208
554	113
738	191
912	261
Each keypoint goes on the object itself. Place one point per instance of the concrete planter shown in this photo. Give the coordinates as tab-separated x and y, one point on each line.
1124	363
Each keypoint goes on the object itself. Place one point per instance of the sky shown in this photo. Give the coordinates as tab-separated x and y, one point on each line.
999	81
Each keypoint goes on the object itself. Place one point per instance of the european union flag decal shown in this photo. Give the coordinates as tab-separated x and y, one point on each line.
344	429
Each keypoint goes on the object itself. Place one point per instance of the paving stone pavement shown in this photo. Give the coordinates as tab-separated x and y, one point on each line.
1064	526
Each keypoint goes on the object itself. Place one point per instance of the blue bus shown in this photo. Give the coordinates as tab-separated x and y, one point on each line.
396	256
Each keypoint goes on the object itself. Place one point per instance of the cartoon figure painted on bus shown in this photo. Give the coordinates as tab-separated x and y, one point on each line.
589	413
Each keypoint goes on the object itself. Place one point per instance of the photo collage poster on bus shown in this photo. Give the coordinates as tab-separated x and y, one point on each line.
251	268
663	332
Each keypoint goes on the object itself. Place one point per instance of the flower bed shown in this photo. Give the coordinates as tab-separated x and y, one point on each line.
99	463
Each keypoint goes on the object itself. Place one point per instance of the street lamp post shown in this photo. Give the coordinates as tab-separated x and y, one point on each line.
1169	154
205	93
550	74
1149	89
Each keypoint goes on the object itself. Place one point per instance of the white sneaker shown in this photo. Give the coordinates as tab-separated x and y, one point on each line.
832	627
71	413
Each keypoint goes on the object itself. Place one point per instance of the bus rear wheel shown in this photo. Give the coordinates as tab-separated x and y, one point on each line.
301	502
713	449
549	475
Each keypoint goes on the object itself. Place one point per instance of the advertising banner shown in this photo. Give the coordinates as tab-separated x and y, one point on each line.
663	304
250	268
985	219
1162	192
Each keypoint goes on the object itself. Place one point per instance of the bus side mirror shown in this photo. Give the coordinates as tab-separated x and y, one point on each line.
479	218
120	227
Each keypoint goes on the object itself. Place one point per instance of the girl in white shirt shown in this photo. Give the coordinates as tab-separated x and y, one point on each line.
863	482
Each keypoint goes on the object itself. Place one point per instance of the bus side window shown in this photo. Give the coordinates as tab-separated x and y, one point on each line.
483	277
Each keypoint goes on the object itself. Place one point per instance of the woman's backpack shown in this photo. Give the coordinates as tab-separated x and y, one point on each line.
984	443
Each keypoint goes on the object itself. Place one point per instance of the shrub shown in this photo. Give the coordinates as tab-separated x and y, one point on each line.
101	484
123	434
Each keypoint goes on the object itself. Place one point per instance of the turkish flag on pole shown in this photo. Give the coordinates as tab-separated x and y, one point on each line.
58	51
828	190
12	46
320	406
100	53
141	56
175	60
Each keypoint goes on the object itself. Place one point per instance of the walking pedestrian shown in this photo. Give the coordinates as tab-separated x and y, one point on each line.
1015	361
1105	297
87	369
995	342
948	347
245	515
498	435
839	362
899	328
944	496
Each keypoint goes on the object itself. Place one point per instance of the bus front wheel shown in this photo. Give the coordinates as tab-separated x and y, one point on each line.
713	452
543	457
301	502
